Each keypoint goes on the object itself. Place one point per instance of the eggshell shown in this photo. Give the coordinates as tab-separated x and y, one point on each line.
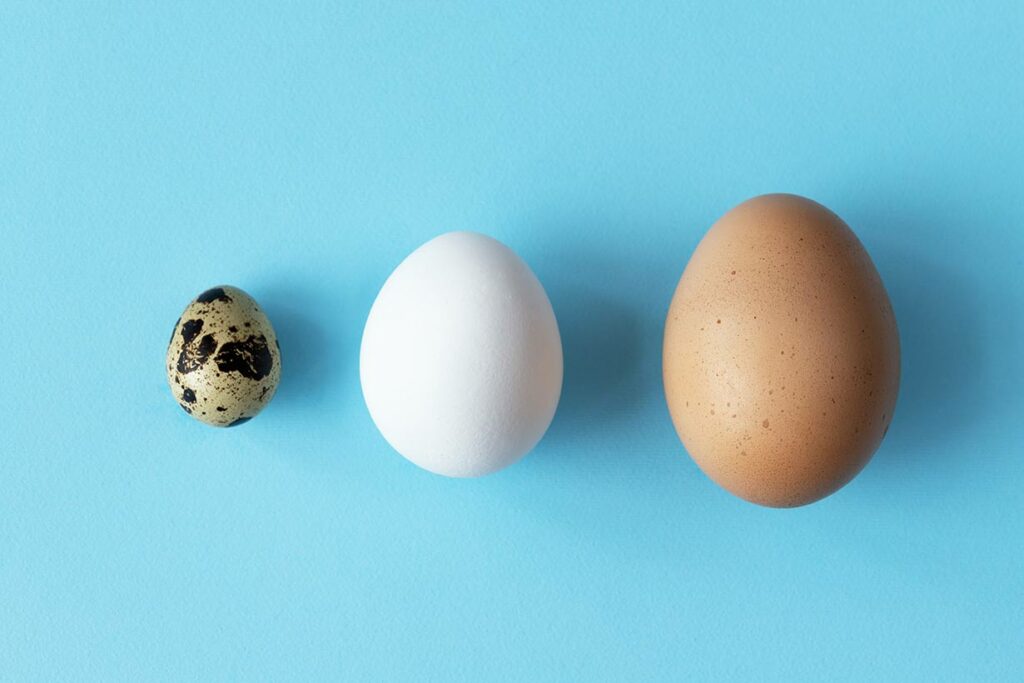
461	359
223	360
781	354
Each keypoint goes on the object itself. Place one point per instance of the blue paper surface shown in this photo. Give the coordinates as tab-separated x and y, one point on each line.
301	150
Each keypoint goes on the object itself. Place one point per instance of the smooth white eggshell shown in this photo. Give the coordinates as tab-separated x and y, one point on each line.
461	359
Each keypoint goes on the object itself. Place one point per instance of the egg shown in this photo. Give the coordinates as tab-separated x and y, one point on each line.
461	358
223	361
781	355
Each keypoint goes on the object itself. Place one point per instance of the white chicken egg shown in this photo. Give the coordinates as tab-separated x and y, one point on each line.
461	358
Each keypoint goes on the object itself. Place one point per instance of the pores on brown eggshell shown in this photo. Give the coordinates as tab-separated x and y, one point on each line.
781	355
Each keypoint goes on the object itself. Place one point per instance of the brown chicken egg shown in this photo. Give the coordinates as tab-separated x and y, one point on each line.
781	355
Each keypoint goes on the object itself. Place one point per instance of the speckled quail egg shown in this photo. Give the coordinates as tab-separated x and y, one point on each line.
223	361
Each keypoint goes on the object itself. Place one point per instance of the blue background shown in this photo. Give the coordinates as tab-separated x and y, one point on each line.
150	150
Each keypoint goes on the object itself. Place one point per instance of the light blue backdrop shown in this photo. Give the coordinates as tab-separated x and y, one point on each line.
150	150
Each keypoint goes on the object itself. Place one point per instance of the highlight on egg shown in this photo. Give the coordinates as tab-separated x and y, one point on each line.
461	357
223	361
781	356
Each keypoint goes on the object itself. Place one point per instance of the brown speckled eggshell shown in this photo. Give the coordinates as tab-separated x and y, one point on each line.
781	354
223	362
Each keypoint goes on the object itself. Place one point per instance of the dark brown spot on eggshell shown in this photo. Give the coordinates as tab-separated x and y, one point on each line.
214	294
193	356
173	330
190	330
250	358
